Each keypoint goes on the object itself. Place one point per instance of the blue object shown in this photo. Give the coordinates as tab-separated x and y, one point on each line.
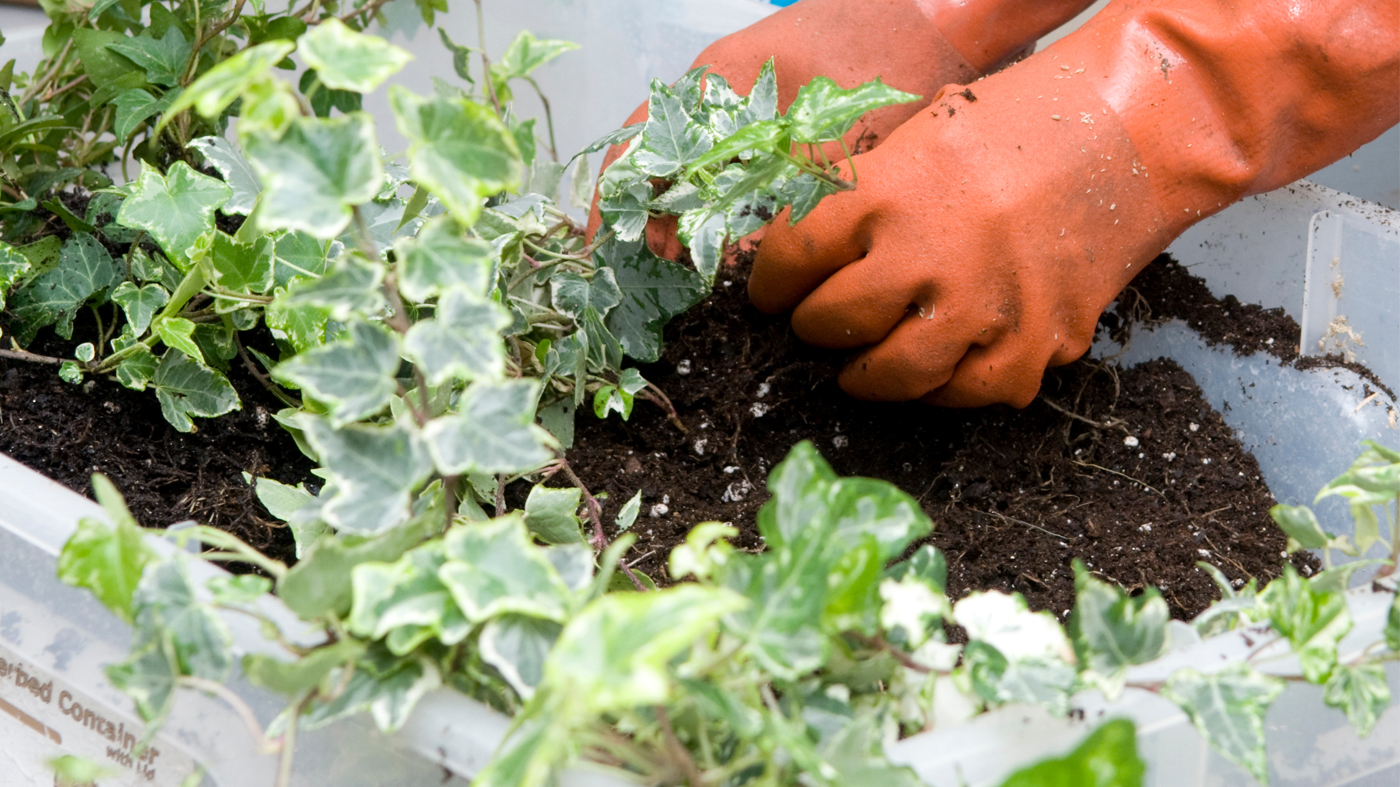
782	2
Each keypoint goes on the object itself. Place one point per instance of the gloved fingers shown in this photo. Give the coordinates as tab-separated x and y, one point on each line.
1000	373
917	357
860	304
794	260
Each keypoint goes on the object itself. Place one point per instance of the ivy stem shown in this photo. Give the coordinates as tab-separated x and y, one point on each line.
370	8
235	549
590	503
880	643
289	744
272	388
58	62
240	707
485	59
678	750
655	395
208	36
449	497
24	355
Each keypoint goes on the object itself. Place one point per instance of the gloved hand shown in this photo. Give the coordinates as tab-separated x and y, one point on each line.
915	45
988	233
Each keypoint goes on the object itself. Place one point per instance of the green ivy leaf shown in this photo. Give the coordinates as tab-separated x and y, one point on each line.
178	333
84	270
320	583
175	209
167	605
290	678
574	295
458	149
616	652
406	602
1107	758
494	431
1313	621
134	106
148	677
768	136
823	111
347	60
353	376
517	646
671	138
1112	631
611	138
237	172
762	103
1302	527
803	193
351	287
137	369
704	233
439	258
374	470
163	59
236	76
284	501
140	304
107	560
1361	691
527	53
493	568
552	515
385	686
463	342
316	173
298	256
240	268
1392	624
13	267
187	388
104	66
653	291
1228	708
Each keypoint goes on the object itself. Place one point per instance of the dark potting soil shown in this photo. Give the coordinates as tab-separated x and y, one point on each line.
68	432
1127	469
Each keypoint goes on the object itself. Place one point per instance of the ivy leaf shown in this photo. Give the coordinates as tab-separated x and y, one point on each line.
284	501
374	468
298	256
187	388
803	193
1313	621
439	258
762	103
527	53
1112	631
704	233
103	66
406	601
237	267
140	304
493	568
517	647
927	564
236	76
134	106
84	270
353	376
653	291
320	583
351	287
237	172
1107	758
768	136
137	369
290	678
13	267
304	326
106	560
494	431
611	138
163	59
671	138
167	605
463	342
387	687
1392	624
458	149
1360	691
552	515
347	60
823	111
316	173
575	295
1302	527
148	677
616	652
175	209
178	333
1004	622
1228	708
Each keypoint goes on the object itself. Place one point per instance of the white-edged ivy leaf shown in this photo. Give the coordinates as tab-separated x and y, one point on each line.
616	652
611	138
236	76
188	388
53	297
581	183
175	208
457	148
405	603
823	111
527	53
627	212
386	687
163	59
767	136
238	589
1313	621
762	103
303	325
347	60
552	514
671	138
297	255
494	568
240	268
290	678
1107	758
517	646
106	559
70	372
178	334
1228	708
627	515
440	258
351	287
283	501
1361	691
13	267
316	173
374	469
704	234
574	295
493	432
167	605
140	304
134	106
136	370
320	583
528	757
147	676
927	564
1004	622
803	193
237	172
1112	631
354	376
463	342
653	291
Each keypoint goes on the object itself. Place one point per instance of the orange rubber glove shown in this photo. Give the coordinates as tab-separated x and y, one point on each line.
915	45
987	234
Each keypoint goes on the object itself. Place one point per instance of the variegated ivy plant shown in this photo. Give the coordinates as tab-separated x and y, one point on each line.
438	323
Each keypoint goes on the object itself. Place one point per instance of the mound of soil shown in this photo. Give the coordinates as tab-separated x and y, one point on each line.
1127	469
